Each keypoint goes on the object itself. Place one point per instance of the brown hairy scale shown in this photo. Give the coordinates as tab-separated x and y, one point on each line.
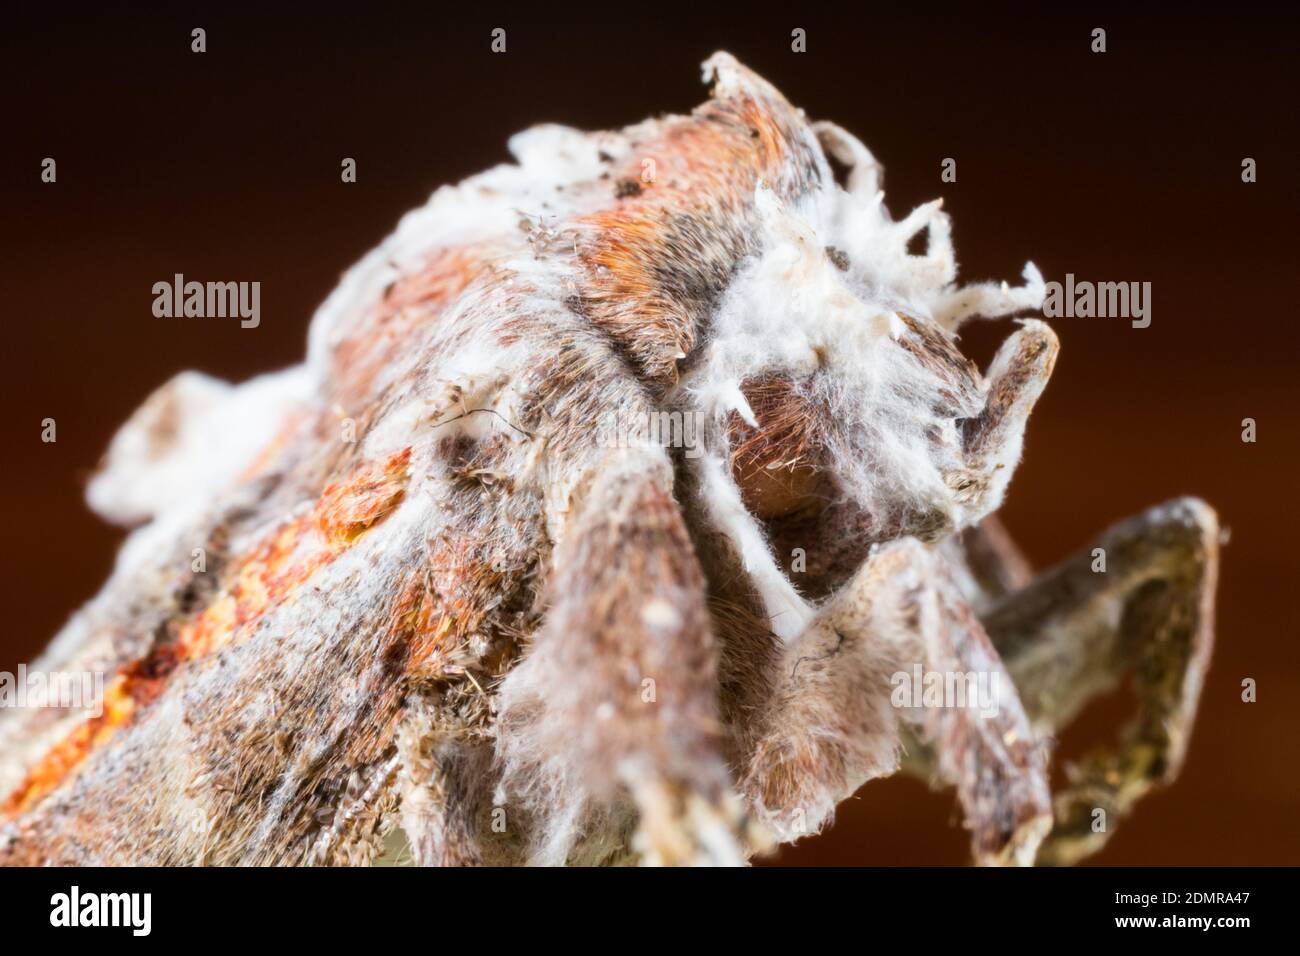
775	464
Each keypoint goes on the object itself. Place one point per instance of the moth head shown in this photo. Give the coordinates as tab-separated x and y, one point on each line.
839	380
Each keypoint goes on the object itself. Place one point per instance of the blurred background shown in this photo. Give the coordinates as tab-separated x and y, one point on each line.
1122	166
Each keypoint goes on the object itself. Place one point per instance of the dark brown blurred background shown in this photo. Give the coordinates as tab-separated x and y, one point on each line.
1121	166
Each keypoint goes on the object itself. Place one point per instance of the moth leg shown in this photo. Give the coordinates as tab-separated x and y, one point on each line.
443	782
363	817
441	802
618	695
833	725
1076	632
997	566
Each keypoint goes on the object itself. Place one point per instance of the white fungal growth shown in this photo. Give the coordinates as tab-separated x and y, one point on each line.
792	309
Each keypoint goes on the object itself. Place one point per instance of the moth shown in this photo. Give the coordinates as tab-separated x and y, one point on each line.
420	584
